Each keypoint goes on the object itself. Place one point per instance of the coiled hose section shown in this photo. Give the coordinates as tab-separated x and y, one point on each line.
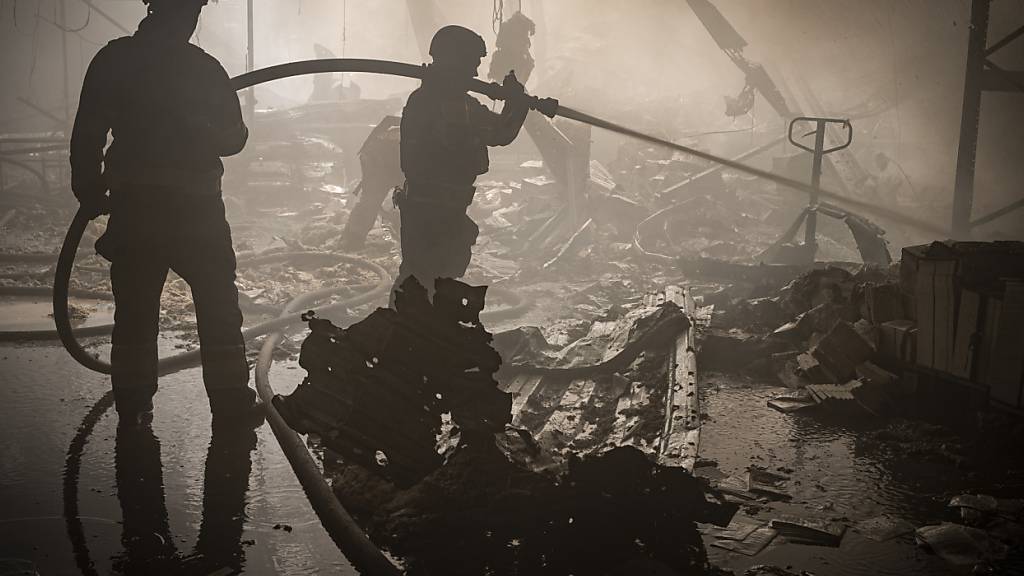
342	528
348	536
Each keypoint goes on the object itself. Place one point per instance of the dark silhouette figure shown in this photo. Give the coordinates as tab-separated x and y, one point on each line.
513	48
145	531
148	543
173	113
228	464
445	134
378	161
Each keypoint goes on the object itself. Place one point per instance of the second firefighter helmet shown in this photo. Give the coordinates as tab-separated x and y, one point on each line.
156	5
455	43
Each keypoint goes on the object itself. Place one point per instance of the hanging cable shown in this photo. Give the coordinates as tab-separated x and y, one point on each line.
497	15
344	36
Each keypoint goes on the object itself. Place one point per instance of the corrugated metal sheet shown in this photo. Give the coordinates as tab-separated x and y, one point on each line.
652	403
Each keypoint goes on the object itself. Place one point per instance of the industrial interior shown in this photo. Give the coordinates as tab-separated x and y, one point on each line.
446	287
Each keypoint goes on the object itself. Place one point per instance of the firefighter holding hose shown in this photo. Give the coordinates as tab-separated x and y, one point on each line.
172	113
445	133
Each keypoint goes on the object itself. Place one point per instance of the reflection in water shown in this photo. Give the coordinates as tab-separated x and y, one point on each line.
148	544
228	464
146	537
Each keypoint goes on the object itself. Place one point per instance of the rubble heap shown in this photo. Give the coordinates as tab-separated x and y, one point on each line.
376	391
422	452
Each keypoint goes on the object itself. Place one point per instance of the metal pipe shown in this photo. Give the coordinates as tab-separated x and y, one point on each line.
811	224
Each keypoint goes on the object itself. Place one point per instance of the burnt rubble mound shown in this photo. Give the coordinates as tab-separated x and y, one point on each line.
422	453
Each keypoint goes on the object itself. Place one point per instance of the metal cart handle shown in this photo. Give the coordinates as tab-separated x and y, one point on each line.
845	122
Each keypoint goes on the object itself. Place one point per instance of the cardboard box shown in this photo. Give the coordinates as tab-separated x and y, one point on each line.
944	326
988	330
841	350
968	325
882	303
898	339
936	312
1006	363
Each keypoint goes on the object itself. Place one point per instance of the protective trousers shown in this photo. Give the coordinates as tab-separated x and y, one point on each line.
437	235
364	213
190	236
379	177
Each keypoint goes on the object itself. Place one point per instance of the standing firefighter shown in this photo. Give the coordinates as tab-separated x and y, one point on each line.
173	113
444	138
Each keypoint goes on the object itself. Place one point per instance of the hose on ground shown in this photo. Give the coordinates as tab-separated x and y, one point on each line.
517	304
343	530
346	533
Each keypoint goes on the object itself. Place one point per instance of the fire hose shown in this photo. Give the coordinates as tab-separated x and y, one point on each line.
346	533
551	108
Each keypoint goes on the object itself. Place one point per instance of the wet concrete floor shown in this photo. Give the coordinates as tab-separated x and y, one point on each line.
43	398
836	473
35	313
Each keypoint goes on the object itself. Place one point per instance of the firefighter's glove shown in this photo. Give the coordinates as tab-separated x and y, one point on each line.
513	88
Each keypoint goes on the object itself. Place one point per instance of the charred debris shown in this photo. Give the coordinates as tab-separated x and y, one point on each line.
570	439
448	467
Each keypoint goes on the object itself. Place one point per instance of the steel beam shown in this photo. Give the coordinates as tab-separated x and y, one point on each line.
963	192
998	213
995	79
1005	40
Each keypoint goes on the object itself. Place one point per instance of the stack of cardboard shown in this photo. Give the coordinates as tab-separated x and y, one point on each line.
967	300
840	351
1002	346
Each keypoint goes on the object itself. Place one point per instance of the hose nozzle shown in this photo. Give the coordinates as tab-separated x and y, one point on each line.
546	106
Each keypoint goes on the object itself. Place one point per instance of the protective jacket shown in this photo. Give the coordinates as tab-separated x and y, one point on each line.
446	132
171	110
173	113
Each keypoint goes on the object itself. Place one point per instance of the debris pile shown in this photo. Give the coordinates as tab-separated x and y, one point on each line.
376	391
886	339
986	535
846	344
447	470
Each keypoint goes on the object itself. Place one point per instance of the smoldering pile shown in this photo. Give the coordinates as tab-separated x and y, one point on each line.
425	456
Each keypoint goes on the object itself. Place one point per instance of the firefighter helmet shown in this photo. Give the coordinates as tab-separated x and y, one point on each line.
456	42
161	4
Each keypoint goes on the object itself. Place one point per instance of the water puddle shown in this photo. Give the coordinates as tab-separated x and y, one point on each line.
20	313
172	499
835	470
